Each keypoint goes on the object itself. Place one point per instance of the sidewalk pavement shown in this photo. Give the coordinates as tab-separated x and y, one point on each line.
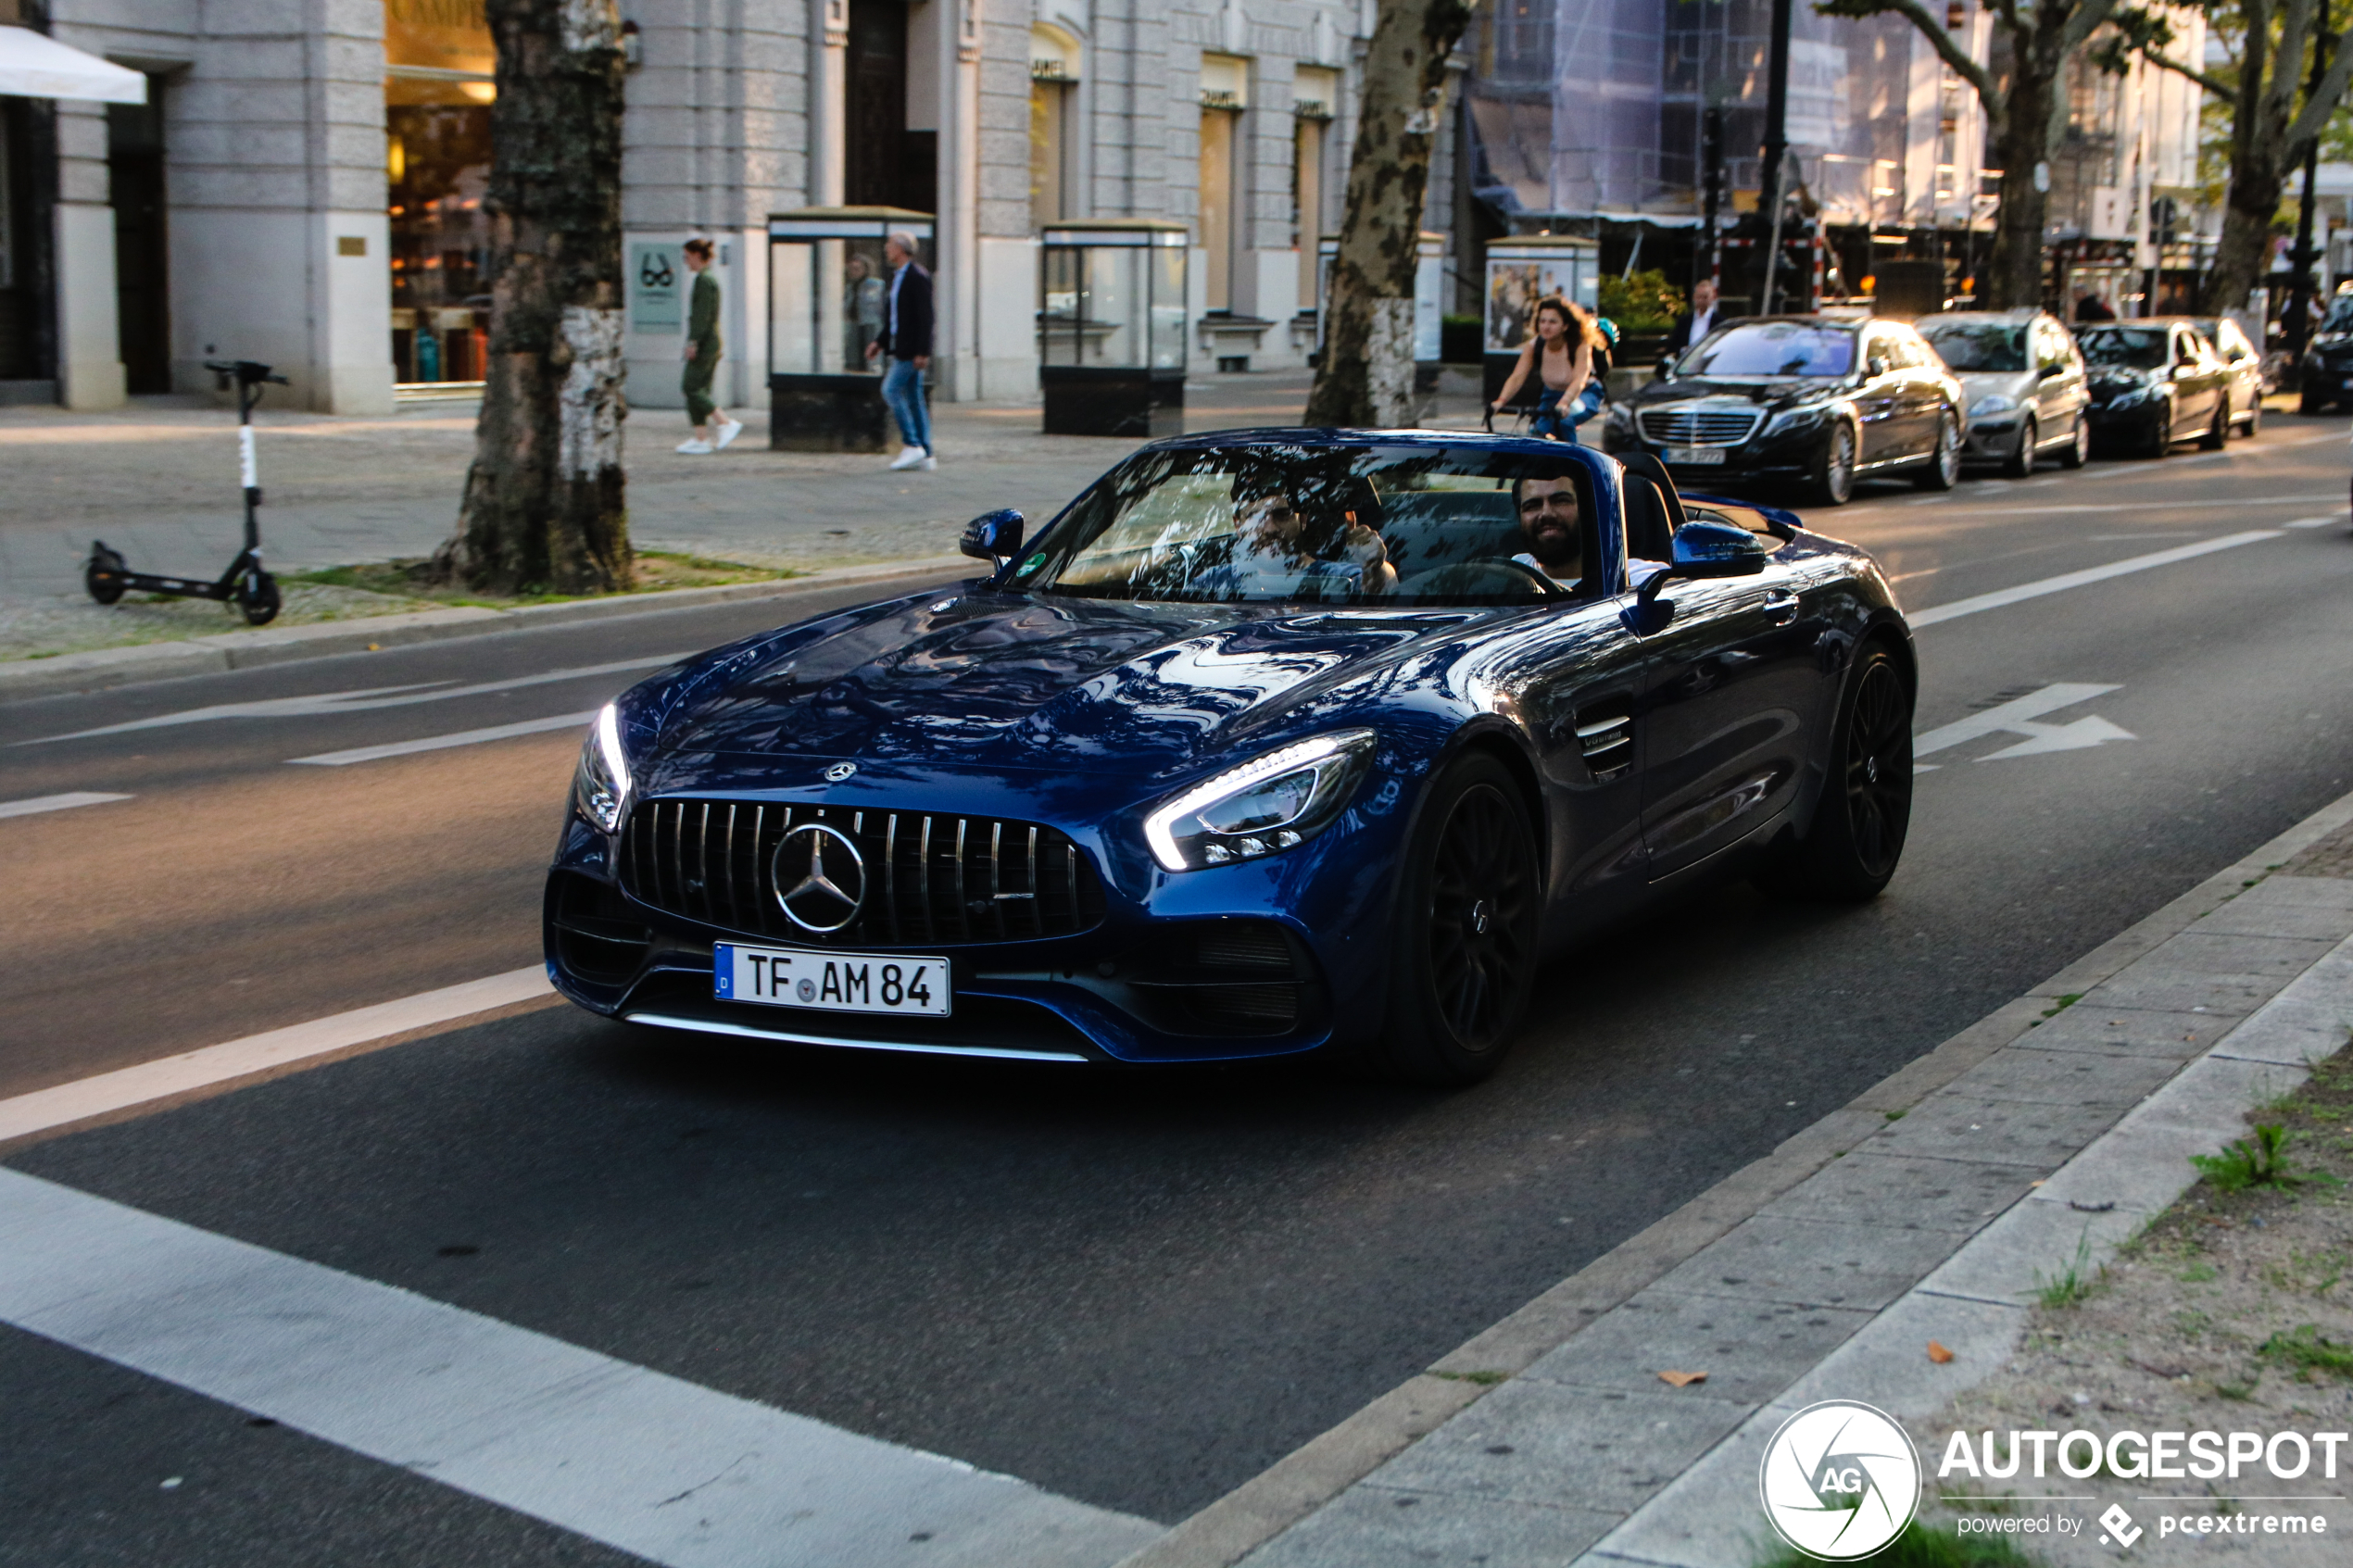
1931	1208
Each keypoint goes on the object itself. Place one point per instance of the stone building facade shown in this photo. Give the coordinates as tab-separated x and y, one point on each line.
304	185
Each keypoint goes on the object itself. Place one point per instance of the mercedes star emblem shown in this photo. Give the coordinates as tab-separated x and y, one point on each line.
820	878
840	771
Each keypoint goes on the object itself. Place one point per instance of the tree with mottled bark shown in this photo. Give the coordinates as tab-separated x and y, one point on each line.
544	502
1365	375
2027	112
2271	45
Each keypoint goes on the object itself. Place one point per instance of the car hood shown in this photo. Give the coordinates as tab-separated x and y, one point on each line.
1019	682
2120	378
1771	395
1982	383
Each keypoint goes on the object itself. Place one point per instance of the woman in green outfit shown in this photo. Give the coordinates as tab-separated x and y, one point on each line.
702	357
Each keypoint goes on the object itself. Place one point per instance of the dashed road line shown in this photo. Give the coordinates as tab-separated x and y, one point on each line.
66	802
2064	580
588	1443
2315	521
442	743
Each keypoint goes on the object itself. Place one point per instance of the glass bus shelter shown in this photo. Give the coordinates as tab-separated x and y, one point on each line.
1111	327
828	298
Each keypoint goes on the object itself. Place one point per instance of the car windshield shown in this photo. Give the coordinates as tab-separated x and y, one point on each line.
1979	346
1773	349
2340	316
1276	524
2141	349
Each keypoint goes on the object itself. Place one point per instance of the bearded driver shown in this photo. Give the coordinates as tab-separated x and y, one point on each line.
1552	526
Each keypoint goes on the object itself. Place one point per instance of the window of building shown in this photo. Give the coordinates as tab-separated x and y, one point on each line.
1314	98
1225	87
439	73
1053	90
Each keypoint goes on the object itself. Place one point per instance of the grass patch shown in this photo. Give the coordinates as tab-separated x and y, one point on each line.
2309	1353
2260	1160
1919	1547
2071	1283
657	571
2063	1004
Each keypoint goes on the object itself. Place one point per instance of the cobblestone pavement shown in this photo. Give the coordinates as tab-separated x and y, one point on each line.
157	481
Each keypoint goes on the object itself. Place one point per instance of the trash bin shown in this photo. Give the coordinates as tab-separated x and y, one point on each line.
1111	327
828	290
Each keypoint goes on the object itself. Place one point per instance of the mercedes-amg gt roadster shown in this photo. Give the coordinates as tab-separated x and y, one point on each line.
1271	742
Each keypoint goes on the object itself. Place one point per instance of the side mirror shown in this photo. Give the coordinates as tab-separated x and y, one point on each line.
1700	550
1876	365
992	538
2050	372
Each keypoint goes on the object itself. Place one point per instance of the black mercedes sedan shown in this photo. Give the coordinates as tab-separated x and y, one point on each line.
1814	402
2328	363
2155	381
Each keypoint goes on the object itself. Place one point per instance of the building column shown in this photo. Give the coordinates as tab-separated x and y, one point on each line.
828	102
956	337
90	372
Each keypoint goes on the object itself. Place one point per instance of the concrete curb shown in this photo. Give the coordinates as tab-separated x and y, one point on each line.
102	668
1296	1512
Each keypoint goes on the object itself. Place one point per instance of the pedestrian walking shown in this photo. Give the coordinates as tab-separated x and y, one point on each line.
702	359
906	340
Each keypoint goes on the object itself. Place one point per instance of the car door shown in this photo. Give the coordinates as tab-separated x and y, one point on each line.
1879	403
2058	387
1576	676
2245	364
1731	688
2198	384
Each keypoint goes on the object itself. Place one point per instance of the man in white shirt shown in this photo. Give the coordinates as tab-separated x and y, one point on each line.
1694	323
1551	521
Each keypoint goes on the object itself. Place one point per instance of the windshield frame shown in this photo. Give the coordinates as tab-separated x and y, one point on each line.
1692	362
1044	564
2016	334
2087	340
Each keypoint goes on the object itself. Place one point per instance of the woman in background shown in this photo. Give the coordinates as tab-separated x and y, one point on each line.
1561	354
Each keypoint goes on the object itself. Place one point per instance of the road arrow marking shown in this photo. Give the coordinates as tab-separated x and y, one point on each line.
2019	716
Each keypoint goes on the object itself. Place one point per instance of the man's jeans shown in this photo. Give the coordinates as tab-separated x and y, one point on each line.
903	390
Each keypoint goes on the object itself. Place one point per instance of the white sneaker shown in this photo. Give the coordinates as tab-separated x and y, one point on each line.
727	432
696	448
909	456
930	463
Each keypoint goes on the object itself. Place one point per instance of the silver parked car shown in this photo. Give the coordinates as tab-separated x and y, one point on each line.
2245	366
2023	381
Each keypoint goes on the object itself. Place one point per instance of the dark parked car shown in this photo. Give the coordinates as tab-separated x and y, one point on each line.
2244	363
2024	382
1812	401
2328	360
2155	381
1271	742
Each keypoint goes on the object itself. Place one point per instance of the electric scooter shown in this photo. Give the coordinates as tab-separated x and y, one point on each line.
253	590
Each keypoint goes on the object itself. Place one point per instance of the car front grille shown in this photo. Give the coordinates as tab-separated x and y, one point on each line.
1688	426
930	879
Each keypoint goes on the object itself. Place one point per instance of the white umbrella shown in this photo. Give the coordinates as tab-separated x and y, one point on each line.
35	66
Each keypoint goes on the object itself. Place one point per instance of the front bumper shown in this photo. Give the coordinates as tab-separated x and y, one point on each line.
1786	453
1259	958
1994	438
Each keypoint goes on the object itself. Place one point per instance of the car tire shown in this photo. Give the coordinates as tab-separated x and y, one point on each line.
1833	480
1943	469
2020	464
2158	440
2219	437
2077	452
1852	848
1468	913
2310	404
2255	417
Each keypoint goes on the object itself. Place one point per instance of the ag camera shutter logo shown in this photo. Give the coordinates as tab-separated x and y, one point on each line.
1839	1480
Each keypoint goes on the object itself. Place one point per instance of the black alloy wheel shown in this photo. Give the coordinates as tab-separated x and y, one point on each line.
2217	435
1852	848
2021	462
2077	452
1943	469
2158	440
1468	910
1833	480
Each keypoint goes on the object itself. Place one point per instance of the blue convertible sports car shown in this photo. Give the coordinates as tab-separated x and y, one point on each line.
1274	741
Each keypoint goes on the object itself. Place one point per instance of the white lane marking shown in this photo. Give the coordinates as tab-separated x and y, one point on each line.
56	803
595	1446
2018	718
2062	582
2234	503
442	743
363	700
87	1098
2314	521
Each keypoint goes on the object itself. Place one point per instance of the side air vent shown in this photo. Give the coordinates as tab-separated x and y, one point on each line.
1605	736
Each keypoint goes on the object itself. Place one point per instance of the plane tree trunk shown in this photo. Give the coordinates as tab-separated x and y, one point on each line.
544	503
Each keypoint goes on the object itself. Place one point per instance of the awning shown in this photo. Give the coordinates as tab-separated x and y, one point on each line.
35	66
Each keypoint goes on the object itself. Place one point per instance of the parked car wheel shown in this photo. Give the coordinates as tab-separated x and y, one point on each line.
2077	452
2021	462
1466	929
1833	477
1856	837
2311	403
2218	436
2254	422
2158	440
1943	469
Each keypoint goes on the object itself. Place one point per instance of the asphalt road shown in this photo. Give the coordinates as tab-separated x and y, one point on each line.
1136	1290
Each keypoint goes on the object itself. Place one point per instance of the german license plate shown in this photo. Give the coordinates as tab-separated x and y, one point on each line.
830	981
1706	457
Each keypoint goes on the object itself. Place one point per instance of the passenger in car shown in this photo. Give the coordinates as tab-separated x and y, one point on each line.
1278	553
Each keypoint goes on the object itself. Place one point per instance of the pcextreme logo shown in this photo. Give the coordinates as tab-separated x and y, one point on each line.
1839	1480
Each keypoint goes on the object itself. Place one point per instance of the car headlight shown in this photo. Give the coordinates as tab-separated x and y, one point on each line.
1794	418
1992	402
1265	806
601	786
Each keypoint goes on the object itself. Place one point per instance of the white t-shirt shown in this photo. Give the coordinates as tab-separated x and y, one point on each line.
1637	572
